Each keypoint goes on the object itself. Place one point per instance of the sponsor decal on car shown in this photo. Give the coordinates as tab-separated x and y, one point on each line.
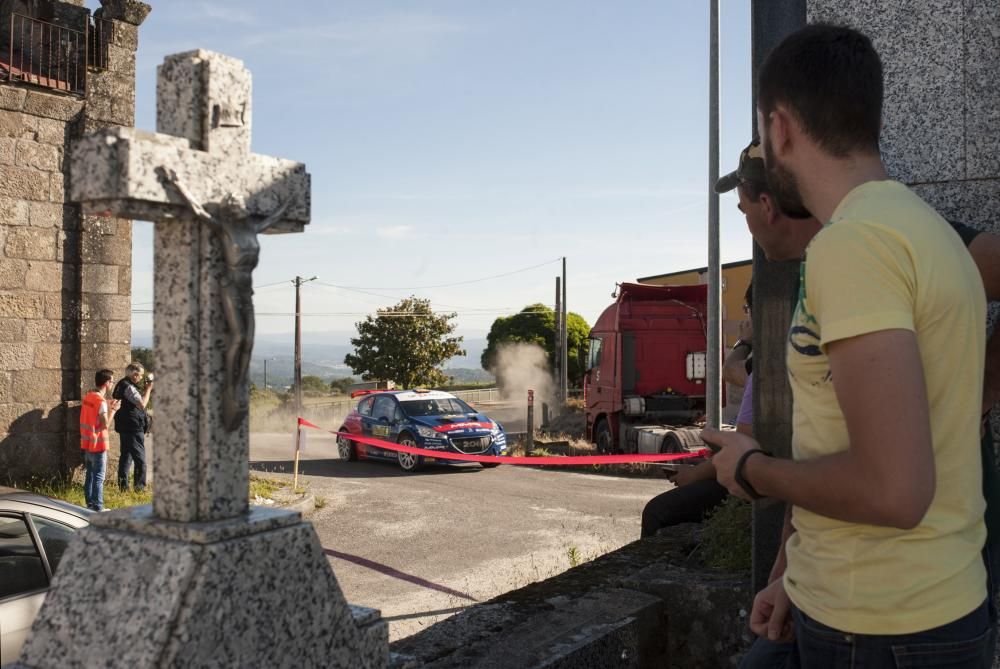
464	426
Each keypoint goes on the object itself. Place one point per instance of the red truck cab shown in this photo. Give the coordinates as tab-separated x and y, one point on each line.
646	368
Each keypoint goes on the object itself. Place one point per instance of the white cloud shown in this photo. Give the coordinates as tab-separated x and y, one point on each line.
394	231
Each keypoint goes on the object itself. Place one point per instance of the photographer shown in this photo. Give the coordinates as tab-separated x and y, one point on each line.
130	424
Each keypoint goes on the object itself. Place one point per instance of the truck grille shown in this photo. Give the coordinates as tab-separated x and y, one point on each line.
472	445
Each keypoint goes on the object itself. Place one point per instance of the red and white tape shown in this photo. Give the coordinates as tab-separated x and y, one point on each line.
516	460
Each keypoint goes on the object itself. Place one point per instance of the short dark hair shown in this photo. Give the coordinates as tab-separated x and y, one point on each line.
102	377
753	190
830	77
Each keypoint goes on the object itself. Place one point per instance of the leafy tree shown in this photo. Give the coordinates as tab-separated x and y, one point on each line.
343	385
146	357
536	324
314	384
405	343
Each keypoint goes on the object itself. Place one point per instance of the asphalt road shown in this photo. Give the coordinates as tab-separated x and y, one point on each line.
423	546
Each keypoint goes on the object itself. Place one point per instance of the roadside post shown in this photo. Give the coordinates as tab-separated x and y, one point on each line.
529	438
298	442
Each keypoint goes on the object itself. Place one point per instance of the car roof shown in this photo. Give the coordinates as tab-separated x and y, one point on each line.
34	499
405	395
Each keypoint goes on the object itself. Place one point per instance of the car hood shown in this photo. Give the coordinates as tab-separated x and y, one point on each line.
465	424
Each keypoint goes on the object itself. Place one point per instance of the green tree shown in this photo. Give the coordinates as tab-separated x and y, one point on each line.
343	385
314	384
146	357
535	324
405	343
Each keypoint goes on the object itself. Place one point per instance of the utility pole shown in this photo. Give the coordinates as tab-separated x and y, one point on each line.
265	373
298	372
557	344
564	343
713	390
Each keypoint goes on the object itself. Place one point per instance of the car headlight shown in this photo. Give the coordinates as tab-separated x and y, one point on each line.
426	432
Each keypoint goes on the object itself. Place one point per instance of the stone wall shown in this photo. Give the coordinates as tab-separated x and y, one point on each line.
65	280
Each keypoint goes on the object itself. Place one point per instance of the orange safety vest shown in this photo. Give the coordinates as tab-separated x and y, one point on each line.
92	438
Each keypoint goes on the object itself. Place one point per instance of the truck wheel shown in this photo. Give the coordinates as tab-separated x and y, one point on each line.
604	439
683	440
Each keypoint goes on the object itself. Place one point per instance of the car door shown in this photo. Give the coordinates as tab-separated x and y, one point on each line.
365	426
24	580
383	411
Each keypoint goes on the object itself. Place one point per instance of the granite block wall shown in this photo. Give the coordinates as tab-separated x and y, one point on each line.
942	103
65	279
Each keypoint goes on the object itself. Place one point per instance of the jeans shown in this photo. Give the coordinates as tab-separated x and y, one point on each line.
93	484
133	445
766	654
962	644
687	504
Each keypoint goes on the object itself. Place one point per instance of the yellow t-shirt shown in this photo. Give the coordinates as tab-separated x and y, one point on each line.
886	261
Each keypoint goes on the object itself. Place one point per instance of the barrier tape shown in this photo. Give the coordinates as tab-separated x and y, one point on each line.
517	460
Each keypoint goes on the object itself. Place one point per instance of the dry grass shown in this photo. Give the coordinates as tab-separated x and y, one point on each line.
114	498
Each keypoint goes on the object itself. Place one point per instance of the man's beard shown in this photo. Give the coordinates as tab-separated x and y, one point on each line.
783	186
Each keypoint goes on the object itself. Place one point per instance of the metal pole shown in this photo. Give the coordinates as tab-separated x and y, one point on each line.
557	341
265	373
298	372
713	390
529	437
564	344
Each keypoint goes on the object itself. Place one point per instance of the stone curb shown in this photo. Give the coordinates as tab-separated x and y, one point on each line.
305	505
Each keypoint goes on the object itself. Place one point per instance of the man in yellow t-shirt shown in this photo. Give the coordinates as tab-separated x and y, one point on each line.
885	358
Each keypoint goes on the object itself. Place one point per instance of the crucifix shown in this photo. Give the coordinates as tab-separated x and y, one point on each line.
209	197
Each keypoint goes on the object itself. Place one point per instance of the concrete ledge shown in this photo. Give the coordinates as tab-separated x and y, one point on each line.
645	605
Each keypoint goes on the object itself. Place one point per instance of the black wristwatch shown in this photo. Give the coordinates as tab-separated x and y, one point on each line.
738	474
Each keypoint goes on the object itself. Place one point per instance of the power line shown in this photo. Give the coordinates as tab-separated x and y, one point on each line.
393	314
457	283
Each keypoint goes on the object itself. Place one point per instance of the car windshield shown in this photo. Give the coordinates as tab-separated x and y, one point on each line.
436	407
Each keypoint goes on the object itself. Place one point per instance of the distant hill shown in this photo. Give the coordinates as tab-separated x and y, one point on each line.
323	356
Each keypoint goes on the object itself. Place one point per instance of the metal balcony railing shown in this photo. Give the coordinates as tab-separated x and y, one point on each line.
45	54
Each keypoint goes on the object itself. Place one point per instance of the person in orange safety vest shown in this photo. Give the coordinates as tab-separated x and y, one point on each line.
95	416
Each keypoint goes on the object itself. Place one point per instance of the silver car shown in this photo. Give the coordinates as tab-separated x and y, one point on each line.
34	533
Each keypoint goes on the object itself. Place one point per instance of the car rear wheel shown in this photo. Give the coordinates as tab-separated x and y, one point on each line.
345	447
604	439
408	462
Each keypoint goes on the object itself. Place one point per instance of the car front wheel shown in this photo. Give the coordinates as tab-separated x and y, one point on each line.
408	461
604	439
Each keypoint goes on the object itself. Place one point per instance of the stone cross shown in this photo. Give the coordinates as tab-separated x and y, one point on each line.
208	196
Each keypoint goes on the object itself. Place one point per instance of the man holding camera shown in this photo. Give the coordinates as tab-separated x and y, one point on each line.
130	424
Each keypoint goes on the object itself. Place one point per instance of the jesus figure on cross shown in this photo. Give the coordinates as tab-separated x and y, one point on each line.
241	250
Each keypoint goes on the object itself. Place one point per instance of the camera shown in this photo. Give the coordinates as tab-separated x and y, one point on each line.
149	377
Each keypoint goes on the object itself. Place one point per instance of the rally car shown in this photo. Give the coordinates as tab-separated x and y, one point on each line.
429	419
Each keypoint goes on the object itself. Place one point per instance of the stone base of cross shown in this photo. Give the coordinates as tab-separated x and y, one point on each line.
200	578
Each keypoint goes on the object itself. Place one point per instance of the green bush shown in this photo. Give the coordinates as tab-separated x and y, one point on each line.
727	540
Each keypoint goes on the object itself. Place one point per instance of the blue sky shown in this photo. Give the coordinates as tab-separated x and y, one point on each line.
454	140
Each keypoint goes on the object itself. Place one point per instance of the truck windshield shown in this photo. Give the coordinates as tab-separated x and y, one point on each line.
594	355
439	407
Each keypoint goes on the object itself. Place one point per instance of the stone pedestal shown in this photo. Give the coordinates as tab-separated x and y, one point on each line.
135	591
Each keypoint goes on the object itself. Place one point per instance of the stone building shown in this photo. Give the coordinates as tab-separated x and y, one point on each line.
65	279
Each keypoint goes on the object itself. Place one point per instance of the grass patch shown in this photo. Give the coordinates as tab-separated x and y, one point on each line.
114	498
727	542
71	492
320	502
262	487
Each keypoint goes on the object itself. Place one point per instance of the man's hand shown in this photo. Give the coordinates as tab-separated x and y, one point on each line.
732	447
703	471
770	617
746	331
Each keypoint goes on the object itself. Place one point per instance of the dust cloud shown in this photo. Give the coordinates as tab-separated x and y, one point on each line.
520	367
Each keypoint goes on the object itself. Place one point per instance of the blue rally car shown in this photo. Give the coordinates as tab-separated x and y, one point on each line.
429	419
